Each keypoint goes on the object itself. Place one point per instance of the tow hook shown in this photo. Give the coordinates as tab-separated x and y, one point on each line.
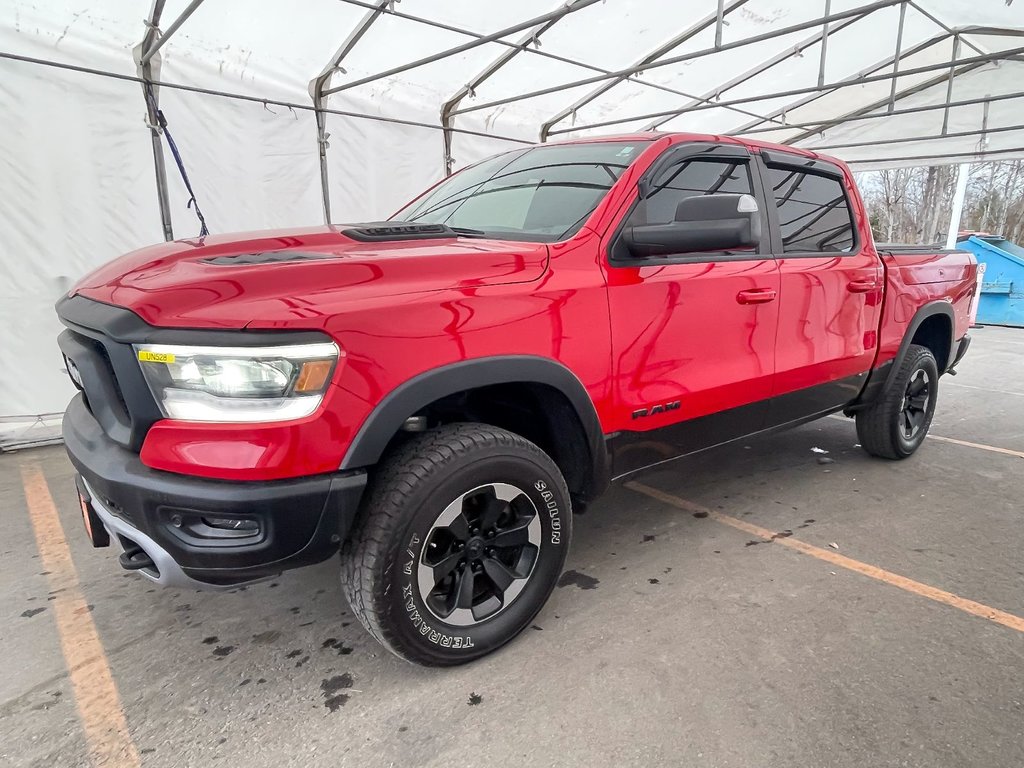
135	559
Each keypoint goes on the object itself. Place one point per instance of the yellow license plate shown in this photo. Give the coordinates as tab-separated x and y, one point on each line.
156	357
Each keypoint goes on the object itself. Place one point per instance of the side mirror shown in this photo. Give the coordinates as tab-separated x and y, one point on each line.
702	223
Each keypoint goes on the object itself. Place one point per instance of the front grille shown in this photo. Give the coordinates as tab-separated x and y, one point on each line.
109	368
99	383
108	373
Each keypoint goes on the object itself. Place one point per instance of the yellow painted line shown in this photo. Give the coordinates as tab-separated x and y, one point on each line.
980	446
830	556
965	443
99	705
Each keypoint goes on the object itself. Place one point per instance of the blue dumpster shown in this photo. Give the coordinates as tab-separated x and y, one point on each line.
1002	291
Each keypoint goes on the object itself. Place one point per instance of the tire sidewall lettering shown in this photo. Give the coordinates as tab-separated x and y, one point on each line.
550	506
419	622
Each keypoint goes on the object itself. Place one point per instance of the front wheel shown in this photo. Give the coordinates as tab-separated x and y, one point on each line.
896	425
462	537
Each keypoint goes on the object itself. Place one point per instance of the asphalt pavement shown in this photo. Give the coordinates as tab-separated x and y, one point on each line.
782	601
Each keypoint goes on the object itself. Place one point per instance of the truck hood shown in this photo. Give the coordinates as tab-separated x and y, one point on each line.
297	278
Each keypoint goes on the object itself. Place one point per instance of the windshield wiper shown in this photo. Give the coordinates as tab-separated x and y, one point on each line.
467	232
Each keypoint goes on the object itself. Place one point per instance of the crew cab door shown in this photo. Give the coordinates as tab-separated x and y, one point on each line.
831	287
693	334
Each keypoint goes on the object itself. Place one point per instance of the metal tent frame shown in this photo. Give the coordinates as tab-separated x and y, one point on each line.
967	55
413	89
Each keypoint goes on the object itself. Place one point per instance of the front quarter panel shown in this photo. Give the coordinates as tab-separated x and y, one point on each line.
561	317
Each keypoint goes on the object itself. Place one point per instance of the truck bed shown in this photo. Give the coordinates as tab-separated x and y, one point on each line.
915	249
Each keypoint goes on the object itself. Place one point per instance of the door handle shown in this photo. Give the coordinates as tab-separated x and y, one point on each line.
861	286
757	296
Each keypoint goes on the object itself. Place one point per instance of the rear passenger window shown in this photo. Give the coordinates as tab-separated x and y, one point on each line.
814	213
687	179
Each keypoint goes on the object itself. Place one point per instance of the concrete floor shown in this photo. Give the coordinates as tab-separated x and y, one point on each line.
691	646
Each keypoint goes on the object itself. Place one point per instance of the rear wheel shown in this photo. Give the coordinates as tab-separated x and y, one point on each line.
896	425
460	542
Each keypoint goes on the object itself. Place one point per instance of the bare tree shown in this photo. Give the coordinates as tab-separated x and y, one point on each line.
913	204
995	199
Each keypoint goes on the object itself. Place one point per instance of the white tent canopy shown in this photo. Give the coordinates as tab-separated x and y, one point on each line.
293	113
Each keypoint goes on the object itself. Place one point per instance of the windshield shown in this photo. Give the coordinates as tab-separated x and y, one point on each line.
542	193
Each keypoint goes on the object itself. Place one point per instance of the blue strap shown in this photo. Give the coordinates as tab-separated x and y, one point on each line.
162	122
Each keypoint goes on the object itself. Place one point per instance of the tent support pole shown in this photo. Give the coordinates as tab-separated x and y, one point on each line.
963	171
469	89
741	78
939	23
163	197
149	70
975	60
670	60
949	86
817	94
824	44
538	52
235	96
638	66
157	42
391	10
896	56
983	141
1009	153
321	141
574	5
316	93
985	131
867	113
448	120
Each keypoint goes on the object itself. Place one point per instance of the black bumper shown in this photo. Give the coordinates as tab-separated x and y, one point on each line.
287	523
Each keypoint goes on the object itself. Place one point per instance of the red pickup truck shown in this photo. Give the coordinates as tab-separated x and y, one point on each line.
434	395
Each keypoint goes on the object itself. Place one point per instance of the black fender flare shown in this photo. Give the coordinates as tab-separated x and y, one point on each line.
876	384
928	310
420	391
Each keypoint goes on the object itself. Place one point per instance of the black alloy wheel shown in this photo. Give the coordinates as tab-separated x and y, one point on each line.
915	404
479	554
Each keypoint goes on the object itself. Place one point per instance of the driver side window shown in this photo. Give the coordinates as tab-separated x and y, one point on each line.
693	176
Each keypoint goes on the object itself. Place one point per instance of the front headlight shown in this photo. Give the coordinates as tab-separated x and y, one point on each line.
237	383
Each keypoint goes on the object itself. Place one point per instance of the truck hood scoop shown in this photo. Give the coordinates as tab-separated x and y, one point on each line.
384	231
266	257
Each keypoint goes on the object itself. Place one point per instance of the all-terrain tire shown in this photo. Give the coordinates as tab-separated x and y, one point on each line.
882	428
396	533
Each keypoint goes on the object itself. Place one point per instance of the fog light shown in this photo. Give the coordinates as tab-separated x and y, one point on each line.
232	524
199	529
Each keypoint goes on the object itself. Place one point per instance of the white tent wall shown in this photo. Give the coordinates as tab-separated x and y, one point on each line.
251	167
375	168
77	180
76	190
